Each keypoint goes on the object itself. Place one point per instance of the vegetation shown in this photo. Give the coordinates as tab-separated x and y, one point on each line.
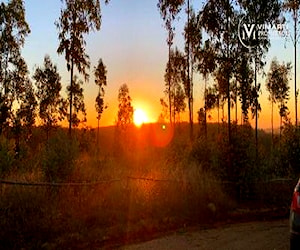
50	103
13	68
101	82
77	19
65	191
148	186
277	85
125	113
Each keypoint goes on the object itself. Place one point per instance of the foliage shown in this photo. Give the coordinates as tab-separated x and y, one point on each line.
100	80
125	112
293	7
76	91
168	11
13	69
59	157
48	84
7	154
176	78
290	150
77	19
167	186
245	77
277	84
230	60
27	110
24	118
179	104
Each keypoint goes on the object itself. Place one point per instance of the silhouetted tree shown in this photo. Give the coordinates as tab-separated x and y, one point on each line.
211	100
13	69
193	42
168	11
175	78
78	18
76	92
245	78
278	87
220	19
100	80
125	112
48	84
27	110
164	113
179	101
293	6
24	117
205	65
258	13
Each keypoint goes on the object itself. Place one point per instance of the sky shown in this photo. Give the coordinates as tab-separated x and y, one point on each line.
132	45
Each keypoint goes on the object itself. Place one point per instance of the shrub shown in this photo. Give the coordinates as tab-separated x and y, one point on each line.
6	155
290	149
59	157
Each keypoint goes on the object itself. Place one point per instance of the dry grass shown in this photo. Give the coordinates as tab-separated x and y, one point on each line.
74	217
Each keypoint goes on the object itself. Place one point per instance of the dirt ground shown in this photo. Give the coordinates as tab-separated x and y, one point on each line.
262	235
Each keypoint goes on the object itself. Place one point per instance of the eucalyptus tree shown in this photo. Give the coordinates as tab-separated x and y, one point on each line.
77	19
245	78
76	92
222	21
125	112
101	81
25	114
189	81
48	85
169	9
175	78
205	65
219	20
13	68
258	14
293	6
193	41
179	102
277	84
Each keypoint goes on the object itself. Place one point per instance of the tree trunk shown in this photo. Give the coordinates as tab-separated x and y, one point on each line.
71	98
256	109
228	85
236	104
295	68
272	126
190	92
205	106
169	85
218	113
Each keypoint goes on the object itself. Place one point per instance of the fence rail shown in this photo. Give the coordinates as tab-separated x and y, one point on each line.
95	183
57	184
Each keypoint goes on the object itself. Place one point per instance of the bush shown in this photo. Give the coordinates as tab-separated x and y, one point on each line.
59	157
7	154
290	149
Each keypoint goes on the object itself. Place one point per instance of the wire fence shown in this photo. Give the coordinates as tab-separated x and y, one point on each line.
272	191
56	184
95	183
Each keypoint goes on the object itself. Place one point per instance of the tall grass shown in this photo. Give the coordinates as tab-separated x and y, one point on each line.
159	187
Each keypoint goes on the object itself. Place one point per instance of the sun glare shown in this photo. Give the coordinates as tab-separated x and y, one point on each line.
139	117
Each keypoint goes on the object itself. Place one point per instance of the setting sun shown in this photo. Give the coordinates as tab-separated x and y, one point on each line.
139	117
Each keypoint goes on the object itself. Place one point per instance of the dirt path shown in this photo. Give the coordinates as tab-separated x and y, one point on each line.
273	235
